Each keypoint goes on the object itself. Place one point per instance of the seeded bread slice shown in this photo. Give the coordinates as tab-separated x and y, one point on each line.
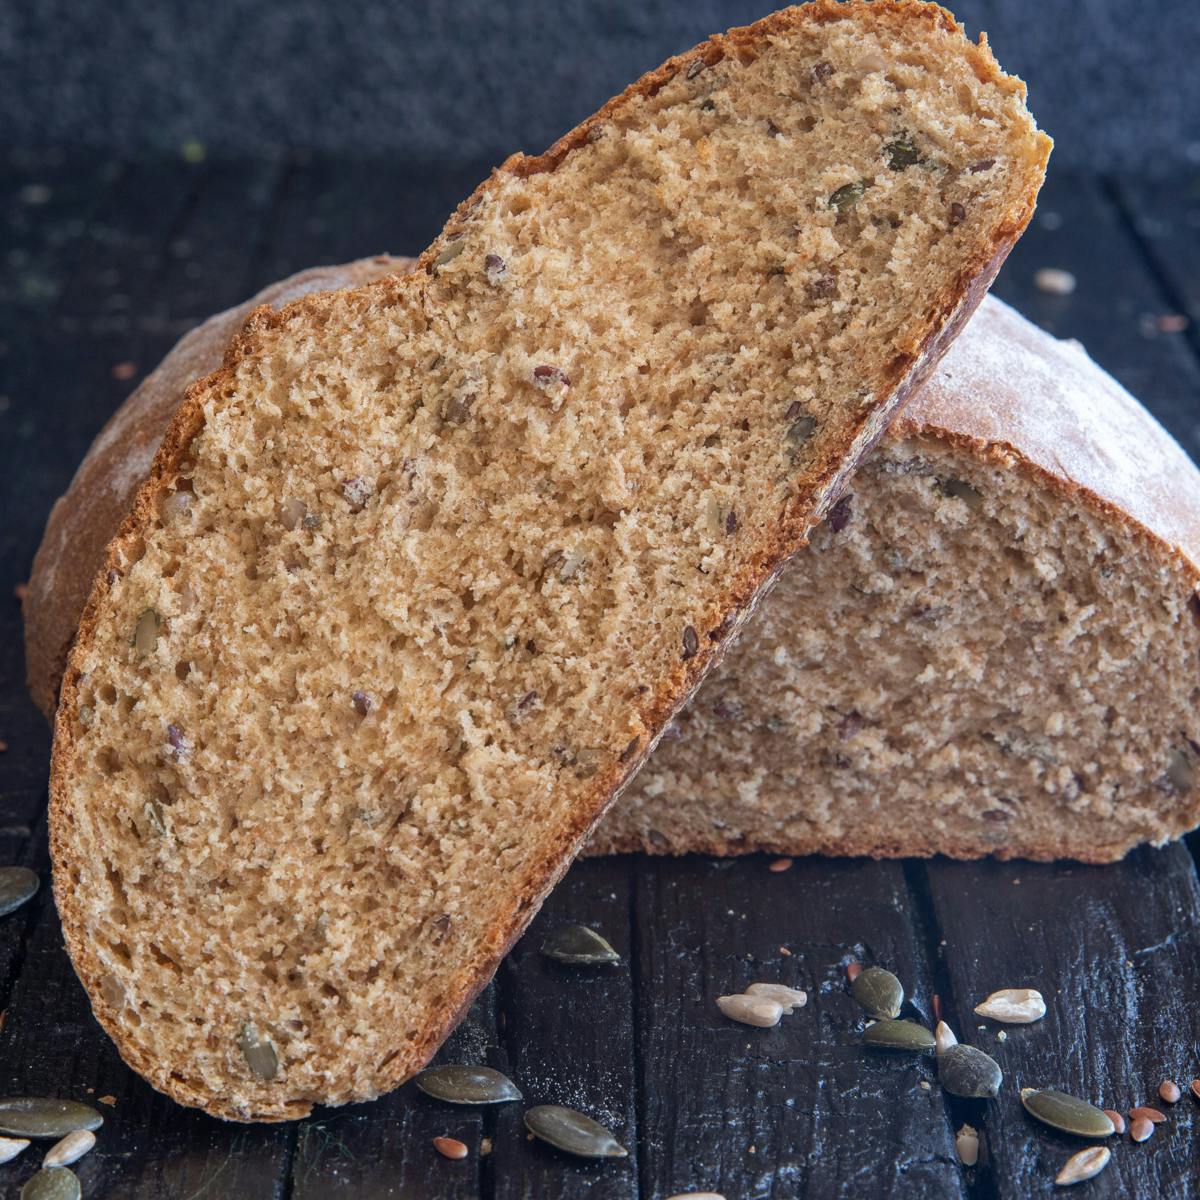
420	575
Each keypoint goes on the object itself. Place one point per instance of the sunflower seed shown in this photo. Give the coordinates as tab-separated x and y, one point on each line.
1116	1118
965	1071
34	1117
579	944
879	992
145	633
899	1035
573	1132
751	1010
71	1149
944	1038
1169	1091
449	1147
17	884
847	196
787	998
1140	1129
1087	1164
1147	1114
1013	1006
1067	1113
966	1145
258	1052
52	1183
467	1085
11	1147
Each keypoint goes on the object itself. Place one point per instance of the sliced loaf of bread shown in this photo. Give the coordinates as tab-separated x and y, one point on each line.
421	574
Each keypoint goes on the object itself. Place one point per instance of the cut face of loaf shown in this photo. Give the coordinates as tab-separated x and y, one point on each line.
420	575
992	645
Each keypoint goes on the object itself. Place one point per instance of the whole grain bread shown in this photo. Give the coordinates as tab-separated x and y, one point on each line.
421	574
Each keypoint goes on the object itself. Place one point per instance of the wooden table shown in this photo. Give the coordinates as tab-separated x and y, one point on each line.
106	264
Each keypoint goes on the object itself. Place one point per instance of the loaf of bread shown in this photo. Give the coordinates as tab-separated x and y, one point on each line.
421	574
990	646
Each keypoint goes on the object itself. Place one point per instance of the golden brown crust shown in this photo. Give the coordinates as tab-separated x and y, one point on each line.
822	487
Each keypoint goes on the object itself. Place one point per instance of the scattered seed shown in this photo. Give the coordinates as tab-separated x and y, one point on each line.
780	864
572	1132
966	1145
788	998
691	643
1053	281
1142	1113
853	971
17	885
145	633
52	1183
449	1147
1013	1006
1066	1113
1116	1118
879	992
1087	1164
1140	1129
467	1085
899	1035
71	1149
847	196
944	1038
580	945
751	1010
966	1071
485	1147
34	1117
258	1052
1169	1091
11	1147
1194	1088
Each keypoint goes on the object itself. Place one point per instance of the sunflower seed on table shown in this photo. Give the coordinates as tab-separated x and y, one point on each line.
1147	1114
1087	1164
579	945
751	1010
11	1147
71	1149
38	1117
944	1038
52	1183
467	1085
1140	1129
878	991
788	998
572	1132
17	885
965	1071
1066	1113
966	1145
1013	1006
899	1035
1169	1091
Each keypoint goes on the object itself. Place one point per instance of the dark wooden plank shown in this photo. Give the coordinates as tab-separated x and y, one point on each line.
801	1109
1113	950
571	1040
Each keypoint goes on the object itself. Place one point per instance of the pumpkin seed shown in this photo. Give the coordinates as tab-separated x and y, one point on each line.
145	633
965	1071
1013	1006
1087	1164
1067	1113
899	1035
71	1149
787	998
35	1117
572	1132
879	992
579	944
467	1085
17	884
901	153
11	1147
52	1183
847	196
258	1052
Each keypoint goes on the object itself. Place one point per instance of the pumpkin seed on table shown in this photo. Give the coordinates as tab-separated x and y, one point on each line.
457	1084
1067	1113
1085	1165
71	1149
966	1071
878	991
579	945
572	1132
36	1117
17	884
899	1035
52	1183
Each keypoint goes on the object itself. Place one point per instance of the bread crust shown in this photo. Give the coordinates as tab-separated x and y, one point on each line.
905	374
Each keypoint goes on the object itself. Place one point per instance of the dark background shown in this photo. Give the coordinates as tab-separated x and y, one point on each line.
467	81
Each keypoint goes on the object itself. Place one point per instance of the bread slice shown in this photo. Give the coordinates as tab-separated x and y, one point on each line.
989	648
421	574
